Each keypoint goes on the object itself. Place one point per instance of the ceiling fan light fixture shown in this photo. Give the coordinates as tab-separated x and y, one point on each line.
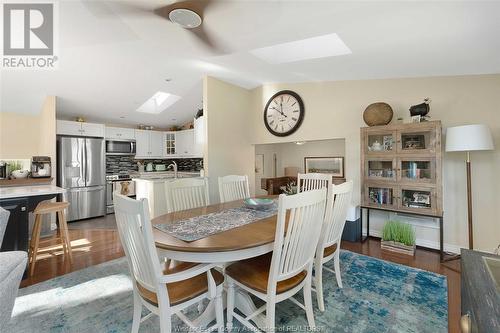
186	18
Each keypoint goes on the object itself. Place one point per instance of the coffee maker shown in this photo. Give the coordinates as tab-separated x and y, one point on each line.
40	167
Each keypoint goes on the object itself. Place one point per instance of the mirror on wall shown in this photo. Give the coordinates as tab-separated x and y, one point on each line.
283	161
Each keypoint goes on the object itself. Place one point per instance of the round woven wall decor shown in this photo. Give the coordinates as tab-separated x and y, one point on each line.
377	114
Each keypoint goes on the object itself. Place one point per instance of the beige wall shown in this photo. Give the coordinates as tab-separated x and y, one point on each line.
334	110
23	136
228	149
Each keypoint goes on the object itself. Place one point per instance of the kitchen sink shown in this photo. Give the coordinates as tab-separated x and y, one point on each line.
493	266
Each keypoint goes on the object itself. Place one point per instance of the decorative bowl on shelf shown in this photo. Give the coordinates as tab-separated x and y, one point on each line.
258	203
20	173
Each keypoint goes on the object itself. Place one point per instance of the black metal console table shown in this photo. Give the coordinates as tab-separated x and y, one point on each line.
440	217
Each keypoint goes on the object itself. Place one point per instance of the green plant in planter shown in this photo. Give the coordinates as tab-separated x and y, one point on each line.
15	165
398	231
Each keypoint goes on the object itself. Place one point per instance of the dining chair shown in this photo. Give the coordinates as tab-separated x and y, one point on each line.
164	292
337	205
313	181
279	275
186	193
233	187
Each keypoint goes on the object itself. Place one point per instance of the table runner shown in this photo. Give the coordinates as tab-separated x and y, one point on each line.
199	227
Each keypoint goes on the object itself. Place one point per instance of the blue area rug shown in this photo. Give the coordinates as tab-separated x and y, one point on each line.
378	296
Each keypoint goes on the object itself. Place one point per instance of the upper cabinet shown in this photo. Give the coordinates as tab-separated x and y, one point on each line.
118	133
149	144
64	127
182	144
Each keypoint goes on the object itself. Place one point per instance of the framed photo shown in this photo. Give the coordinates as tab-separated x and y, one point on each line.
259	164
331	165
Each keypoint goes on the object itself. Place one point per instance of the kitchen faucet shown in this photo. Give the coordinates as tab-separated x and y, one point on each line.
174	165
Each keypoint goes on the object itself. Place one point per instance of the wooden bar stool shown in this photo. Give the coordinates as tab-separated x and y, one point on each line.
47	207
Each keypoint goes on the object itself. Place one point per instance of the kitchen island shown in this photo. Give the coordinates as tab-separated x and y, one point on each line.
151	185
19	201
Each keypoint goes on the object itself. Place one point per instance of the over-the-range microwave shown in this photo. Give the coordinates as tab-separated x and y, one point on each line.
120	147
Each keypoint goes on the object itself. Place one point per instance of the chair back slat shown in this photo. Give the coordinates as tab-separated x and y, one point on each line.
339	199
187	193
294	249
313	181
233	187
136	235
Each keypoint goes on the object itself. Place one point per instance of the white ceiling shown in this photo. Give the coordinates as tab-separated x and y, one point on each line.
111	61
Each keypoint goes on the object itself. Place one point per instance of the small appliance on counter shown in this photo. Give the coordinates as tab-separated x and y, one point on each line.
40	167
3	170
149	166
160	167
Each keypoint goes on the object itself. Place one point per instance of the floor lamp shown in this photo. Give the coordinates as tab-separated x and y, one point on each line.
466	139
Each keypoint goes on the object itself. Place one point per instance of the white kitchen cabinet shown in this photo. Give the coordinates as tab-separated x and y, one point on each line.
186	145
118	133
65	127
199	136
156	144
170	149
184	141
149	144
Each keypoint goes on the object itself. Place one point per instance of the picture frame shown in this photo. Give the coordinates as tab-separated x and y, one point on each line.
330	165
259	164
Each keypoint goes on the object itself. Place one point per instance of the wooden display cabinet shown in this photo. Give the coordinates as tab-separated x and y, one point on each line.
401	168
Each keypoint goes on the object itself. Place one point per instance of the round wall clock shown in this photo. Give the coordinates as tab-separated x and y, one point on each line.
284	113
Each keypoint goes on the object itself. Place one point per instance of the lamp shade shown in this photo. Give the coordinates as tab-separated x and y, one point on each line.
469	138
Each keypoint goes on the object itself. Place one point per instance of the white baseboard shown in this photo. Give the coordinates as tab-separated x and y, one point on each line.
422	242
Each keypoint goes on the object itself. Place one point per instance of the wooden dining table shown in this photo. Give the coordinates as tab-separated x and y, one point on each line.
247	241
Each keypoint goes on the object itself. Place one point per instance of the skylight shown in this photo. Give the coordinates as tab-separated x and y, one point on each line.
158	103
310	48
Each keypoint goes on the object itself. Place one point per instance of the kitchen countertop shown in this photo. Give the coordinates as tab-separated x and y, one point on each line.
29	191
164	173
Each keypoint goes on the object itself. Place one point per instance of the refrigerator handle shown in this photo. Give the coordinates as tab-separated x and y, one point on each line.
86	172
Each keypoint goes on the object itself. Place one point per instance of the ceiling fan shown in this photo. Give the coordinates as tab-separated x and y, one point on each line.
187	14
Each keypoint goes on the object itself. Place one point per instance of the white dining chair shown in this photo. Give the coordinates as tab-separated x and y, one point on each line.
339	199
279	275
313	181
163	292
233	187
186	193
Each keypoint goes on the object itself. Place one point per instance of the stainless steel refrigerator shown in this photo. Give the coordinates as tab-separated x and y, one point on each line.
81	170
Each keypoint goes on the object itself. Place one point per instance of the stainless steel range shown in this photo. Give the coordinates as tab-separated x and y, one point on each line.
122	183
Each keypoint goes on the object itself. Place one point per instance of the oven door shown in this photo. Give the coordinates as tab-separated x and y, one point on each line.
115	147
125	187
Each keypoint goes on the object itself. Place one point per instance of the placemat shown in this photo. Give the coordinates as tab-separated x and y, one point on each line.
199	227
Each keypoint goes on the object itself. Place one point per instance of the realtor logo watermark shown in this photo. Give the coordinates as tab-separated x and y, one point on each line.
29	35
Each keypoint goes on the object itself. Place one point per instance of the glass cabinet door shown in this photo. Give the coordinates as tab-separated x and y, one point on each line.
422	140
170	143
380	168
422	170
380	142
380	196
417	199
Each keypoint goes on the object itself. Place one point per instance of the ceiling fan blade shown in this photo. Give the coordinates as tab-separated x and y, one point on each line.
207	39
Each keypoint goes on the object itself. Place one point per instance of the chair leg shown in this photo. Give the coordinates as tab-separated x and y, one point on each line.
270	313
64	231
318	284
230	305
35	241
136	322
219	310
336	262
308	302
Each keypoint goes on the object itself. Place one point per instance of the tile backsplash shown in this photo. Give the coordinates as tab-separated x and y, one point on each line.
125	164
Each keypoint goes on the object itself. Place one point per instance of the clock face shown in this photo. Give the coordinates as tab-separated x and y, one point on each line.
284	113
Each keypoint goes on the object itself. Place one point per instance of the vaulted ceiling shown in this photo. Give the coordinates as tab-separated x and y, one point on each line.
112	59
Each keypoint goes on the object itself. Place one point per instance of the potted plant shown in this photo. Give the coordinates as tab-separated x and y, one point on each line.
16	170
398	237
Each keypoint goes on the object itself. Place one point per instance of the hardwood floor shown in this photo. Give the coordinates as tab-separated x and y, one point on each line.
93	245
